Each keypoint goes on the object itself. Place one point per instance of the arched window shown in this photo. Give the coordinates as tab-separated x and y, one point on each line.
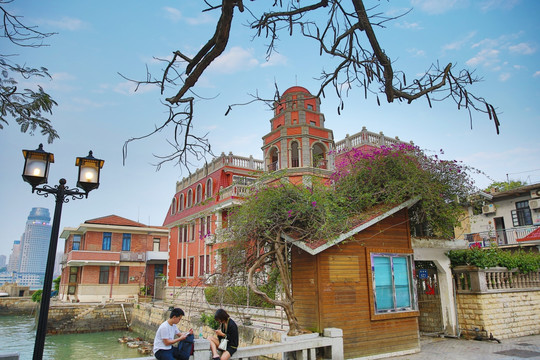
295	158
208	189
319	156
173	206
181	202
199	194
189	198
273	158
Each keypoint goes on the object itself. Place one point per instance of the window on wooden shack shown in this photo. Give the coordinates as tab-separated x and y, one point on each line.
392	282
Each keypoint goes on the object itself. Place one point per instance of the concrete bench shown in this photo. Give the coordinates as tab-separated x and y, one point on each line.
304	347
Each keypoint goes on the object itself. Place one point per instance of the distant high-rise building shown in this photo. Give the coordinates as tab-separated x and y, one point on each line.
35	248
2	261
15	257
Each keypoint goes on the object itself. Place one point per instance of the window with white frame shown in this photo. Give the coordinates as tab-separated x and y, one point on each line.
173	206
181	202
392	282
199	194
208	189
189	198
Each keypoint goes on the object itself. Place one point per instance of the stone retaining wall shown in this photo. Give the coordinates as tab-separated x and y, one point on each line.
146	318
17	306
505	315
83	318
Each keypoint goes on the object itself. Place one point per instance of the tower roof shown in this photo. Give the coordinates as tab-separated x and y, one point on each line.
296	89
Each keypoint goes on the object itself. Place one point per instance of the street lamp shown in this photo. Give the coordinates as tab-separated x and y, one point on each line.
35	172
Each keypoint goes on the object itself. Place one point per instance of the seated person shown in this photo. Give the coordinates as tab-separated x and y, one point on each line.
168	334
228	330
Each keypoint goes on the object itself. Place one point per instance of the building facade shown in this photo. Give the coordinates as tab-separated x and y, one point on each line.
112	258
501	217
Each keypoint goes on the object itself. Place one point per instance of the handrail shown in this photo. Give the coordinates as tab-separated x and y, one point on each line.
249	163
470	279
366	137
501	237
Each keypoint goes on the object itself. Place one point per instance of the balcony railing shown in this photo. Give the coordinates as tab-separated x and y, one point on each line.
224	160
500	237
470	279
132	256
366	137
234	190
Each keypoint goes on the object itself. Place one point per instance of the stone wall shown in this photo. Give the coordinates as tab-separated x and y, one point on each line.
146	318
83	318
505	315
17	306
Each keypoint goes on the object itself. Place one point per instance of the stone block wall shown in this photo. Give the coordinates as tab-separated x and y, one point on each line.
17	306
505	314
83	318
146	318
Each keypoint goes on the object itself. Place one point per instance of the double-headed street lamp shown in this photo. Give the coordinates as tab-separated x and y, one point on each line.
35	172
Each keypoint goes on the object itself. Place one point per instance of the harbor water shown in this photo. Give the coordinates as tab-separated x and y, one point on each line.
17	334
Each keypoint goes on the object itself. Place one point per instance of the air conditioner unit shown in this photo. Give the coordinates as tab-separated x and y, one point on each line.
132	278
534	204
535	194
488	209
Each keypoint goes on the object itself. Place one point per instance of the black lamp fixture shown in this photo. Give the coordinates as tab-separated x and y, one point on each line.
36	166
35	172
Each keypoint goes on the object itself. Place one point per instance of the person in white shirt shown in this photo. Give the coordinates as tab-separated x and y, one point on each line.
168	334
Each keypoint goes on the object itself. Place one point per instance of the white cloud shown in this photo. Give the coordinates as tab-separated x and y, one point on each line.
498	4
203	18
409	26
522	48
67	23
504	76
129	87
416	52
486	57
536	74
276	59
172	14
236	59
438	6
456	45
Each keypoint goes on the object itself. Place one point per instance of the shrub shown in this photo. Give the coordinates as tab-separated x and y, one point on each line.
525	261
36	296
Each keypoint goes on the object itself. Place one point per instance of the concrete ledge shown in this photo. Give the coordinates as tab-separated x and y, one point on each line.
12	356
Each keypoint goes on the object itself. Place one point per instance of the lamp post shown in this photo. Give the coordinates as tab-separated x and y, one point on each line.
35	172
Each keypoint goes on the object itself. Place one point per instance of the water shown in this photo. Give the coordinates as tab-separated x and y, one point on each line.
17	334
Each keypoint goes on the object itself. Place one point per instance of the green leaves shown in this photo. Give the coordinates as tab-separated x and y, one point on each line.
525	261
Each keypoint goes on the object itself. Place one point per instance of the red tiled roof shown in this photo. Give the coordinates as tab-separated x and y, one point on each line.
368	218
115	220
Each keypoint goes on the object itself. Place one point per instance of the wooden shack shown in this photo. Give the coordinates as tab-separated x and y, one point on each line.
363	283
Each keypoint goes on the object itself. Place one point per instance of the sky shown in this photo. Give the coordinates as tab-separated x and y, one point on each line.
99	110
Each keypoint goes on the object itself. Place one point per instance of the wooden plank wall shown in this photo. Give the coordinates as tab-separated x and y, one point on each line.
332	289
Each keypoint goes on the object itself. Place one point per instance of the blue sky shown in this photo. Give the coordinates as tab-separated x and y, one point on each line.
99	110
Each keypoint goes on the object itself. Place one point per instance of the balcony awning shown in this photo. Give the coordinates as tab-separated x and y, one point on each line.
533	236
92	263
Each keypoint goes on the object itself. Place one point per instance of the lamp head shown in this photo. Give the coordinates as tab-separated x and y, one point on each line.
89	170
36	166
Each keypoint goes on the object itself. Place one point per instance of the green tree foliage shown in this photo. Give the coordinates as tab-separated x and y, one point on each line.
36	296
394	174
56	283
383	177
26	106
505	185
525	261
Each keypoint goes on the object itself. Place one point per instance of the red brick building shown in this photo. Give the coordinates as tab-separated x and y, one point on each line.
298	143
112	258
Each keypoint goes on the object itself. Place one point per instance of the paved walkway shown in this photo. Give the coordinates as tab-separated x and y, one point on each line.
527	347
